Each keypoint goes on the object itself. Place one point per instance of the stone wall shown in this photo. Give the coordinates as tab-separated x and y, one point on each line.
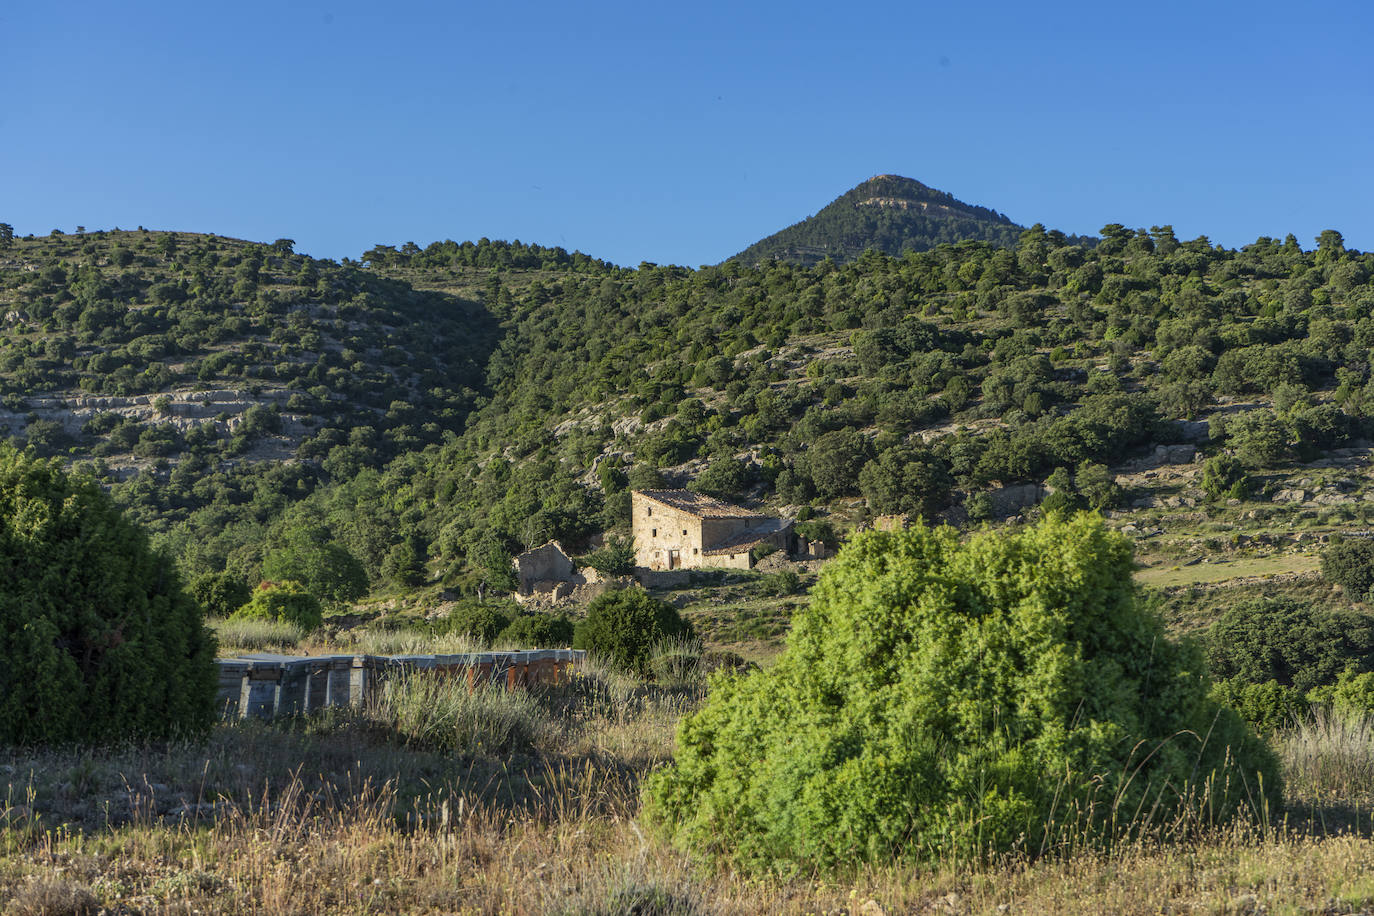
542	568
659	531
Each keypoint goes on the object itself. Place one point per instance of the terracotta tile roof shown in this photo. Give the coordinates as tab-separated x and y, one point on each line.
696	504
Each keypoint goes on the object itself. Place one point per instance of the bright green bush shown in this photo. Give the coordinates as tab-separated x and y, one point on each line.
98	641
1350	697
284	602
1267	707
942	699
538	631
780	584
622	628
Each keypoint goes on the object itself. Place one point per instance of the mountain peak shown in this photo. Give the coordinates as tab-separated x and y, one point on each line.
888	212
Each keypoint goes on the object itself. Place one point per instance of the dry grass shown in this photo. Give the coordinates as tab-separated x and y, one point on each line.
247	635
1166	576
343	814
580	851
237	636
369	641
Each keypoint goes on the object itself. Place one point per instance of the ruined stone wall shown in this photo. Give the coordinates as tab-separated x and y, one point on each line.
546	564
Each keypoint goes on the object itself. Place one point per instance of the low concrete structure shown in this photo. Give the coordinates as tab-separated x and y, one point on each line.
679	529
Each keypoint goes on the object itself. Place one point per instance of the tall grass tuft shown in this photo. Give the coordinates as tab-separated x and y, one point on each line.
255	635
1329	757
410	642
676	662
443	714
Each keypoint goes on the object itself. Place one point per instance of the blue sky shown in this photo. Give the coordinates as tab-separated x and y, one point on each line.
679	134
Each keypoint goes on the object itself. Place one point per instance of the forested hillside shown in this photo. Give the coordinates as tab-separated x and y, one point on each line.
887	213
431	410
220	381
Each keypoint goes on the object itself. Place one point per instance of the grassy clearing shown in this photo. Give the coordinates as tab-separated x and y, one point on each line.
1172	575
424	803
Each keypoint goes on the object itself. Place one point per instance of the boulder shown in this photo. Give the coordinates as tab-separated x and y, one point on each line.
1011	500
1176	454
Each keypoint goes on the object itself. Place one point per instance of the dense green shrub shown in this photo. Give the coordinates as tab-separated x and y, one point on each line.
1224	477
478	620
326	569
615	557
1267	707
285	602
538	631
907	481
1291	642
834	461
780	584
221	594
405	562
942	699
724	478
98	640
1350	564
622	627
817	530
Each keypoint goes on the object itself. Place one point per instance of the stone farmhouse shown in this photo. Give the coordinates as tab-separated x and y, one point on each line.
679	529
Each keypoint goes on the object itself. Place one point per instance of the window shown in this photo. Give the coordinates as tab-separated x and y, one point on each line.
696	550
684	532
653	532
648	510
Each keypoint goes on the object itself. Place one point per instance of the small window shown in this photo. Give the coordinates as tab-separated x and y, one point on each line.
648	510
696	550
684	532
653	532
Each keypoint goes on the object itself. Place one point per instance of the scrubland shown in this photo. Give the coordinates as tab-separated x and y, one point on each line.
436	800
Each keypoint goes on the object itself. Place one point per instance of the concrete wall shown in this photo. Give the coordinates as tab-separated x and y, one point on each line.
264	686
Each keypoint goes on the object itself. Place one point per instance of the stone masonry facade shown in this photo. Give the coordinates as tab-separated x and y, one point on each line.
679	529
